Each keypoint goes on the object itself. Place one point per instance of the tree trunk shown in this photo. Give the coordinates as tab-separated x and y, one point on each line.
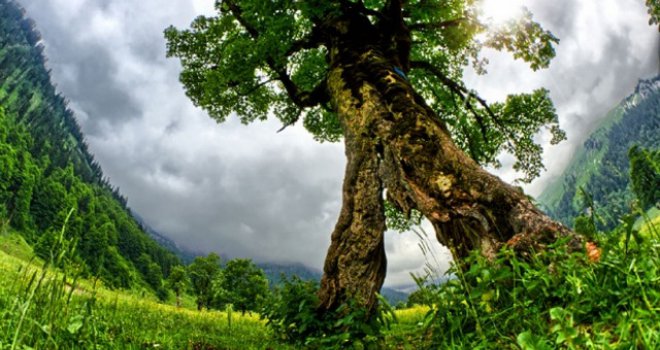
355	264
389	127
423	168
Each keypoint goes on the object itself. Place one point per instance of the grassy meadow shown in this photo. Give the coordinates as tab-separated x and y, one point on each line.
552	301
49	309
45	308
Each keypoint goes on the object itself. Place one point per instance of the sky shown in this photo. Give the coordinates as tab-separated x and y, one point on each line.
248	191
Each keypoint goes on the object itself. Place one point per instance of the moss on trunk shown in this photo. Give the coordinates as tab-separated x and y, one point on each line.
395	141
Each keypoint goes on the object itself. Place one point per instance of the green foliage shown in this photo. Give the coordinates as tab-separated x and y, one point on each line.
254	57
293	316
528	113
46	170
44	308
602	167
399	221
291	313
241	284
178	281
162	293
418	297
526	39
234	78
645	175
202	271
551	300
654	11
585	225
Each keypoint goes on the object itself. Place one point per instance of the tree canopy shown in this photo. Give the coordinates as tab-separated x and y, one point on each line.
202	272
645	175
242	284
254	58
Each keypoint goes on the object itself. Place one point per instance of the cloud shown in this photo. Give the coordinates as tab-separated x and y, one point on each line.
605	47
251	192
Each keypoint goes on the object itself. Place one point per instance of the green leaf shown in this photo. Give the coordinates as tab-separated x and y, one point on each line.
557	313
528	341
75	324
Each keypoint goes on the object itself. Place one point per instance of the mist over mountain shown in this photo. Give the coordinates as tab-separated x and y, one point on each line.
50	182
601	166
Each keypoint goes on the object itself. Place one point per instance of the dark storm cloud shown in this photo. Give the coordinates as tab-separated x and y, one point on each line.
249	191
269	203
86	69
97	92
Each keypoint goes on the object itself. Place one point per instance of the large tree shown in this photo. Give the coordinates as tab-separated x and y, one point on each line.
242	284
202	271
386	77
178	281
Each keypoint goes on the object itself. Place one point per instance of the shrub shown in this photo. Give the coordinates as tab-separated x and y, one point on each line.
551	300
292	315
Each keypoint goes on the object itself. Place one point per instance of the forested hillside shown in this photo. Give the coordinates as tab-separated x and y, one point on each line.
601	167
46	171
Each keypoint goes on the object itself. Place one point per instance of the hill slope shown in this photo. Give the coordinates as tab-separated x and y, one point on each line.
46	171
601	165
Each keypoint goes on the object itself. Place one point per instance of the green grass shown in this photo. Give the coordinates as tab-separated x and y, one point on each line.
46	308
649	220
13	244
554	300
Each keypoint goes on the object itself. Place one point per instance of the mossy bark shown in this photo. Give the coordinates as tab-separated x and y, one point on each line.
355	264
394	141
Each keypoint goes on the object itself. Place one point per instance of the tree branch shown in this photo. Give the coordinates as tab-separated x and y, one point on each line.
454	86
319	95
302	99
466	95
394	26
361	8
256	87
437	25
462	92
312	41
291	122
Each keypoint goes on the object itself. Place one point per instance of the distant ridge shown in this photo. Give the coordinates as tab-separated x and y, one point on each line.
274	272
601	165
185	255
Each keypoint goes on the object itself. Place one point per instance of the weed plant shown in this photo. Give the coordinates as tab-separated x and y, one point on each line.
292	315
552	300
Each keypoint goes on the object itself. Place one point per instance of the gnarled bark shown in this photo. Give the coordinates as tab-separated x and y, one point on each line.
355	264
389	127
423	169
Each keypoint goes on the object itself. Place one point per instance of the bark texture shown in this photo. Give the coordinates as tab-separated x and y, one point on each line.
394	141
355	264
423	169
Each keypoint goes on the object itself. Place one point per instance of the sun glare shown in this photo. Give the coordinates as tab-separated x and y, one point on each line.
498	12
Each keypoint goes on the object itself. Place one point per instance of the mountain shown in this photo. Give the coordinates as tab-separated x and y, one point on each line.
49	180
601	166
185	255
274	273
